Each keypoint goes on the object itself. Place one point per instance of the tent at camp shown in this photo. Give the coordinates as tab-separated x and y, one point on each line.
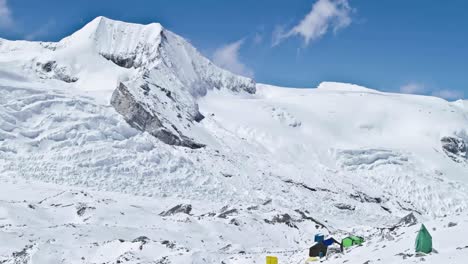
322	247
423	241
318	250
330	241
271	260
319	238
311	260
351	241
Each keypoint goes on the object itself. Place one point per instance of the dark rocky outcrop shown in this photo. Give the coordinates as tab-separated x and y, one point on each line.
139	116
178	209
282	219
141	239
386	209
408	220
51	69
304	216
226	213
126	62
364	198
343	206
234	222
451	224
169	244
21	257
301	185
455	148
305	186
48	66
198	117
67	78
81	209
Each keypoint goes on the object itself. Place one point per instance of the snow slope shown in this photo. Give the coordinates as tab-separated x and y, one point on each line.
277	166
43	223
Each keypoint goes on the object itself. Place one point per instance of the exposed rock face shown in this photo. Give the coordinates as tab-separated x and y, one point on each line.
126	62
170	75
178	209
408	220
343	206
226	213
455	148
364	198
51	70
138	115
282	219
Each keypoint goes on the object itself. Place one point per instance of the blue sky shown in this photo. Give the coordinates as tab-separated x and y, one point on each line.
415	46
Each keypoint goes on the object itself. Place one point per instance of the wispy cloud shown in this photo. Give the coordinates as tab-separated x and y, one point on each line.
6	19
257	39
278	35
41	31
325	14
227	57
448	94
413	88
420	88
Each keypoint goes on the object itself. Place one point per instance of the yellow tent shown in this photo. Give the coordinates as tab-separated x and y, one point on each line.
311	259
271	260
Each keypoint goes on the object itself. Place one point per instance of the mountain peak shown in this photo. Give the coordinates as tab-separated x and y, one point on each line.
105	33
102	20
143	69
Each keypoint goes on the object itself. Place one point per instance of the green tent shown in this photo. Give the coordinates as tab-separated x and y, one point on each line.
424	241
351	241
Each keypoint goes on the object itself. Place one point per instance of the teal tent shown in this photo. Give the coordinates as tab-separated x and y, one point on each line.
423	241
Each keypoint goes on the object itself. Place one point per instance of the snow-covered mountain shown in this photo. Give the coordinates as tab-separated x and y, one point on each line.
158	74
132	146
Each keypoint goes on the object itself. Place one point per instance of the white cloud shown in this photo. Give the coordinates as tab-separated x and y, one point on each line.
227	57
41	31
325	14
6	19
413	88
448	94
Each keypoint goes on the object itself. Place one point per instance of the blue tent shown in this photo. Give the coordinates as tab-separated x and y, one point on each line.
329	242
319	238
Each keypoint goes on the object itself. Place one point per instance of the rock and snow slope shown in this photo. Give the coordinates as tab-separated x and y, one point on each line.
255	168
43	223
158	74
